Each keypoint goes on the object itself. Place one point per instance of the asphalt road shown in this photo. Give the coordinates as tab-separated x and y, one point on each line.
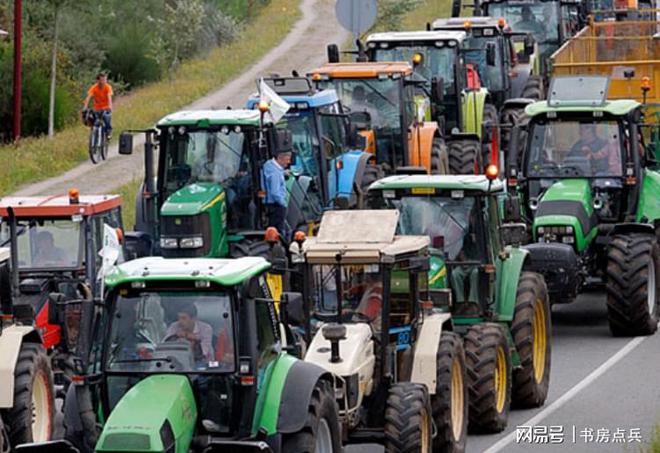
597	383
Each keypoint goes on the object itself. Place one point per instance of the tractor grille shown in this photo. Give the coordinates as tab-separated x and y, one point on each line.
184	227
125	441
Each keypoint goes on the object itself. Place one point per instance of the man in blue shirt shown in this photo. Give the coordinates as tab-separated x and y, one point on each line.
274	172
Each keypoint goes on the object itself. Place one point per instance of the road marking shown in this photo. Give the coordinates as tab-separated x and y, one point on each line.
632	344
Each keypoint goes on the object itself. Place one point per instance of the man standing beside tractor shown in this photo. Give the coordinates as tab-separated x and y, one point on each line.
274	173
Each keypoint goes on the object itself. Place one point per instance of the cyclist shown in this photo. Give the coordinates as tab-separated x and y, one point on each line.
101	93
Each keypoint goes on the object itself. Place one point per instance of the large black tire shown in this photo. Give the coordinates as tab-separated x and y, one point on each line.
633	266
489	376
450	403
31	417
321	432
439	157
531	331
533	88
94	148
488	128
408	427
512	116
249	247
4	438
462	156
372	173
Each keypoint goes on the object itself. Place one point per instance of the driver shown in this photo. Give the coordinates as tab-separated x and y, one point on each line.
47	253
371	303
596	150
462	273
529	23
191	330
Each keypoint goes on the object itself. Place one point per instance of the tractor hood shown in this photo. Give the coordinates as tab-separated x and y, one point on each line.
193	199
155	414
567	202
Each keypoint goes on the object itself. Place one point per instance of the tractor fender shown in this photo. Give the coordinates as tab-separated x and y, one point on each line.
514	103
506	281
559	266
625	228
296	395
648	207
473	103
424	369
421	144
11	339
351	172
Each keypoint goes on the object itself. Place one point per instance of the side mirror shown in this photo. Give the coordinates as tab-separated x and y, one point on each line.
292	303
514	233
126	143
512	208
419	264
491	53
438	90
333	53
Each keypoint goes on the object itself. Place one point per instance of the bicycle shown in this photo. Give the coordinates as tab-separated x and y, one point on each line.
98	136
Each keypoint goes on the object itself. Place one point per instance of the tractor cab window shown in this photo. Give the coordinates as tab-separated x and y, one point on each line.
176	332
304	141
538	18
475	55
437	62
47	244
575	149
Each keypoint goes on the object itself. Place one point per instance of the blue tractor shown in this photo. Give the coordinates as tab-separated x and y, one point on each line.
327	147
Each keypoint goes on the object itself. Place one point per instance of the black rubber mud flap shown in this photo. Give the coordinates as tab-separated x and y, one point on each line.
296	394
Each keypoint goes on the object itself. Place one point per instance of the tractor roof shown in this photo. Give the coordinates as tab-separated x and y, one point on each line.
407	36
226	272
443	182
313	100
4	254
618	107
361	237
206	118
459	23
58	206
361	70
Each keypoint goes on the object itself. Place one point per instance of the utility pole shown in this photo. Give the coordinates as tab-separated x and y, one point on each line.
18	34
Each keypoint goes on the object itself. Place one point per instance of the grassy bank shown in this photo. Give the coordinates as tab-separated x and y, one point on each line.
35	159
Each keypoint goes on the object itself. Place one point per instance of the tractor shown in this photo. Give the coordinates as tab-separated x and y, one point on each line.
55	243
497	303
586	184
26	378
190	355
389	103
324	142
370	321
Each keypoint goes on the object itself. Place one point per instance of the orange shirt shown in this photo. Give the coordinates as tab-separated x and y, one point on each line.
101	96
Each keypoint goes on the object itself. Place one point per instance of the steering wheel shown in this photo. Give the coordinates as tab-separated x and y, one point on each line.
570	170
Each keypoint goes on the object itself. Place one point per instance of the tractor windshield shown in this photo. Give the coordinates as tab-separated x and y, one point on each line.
538	18
491	76
303	135
47	243
177	332
449	222
437	62
572	149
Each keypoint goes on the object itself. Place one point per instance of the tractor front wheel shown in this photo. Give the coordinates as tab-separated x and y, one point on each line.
533	88
31	417
450	402
464	157
633	266
489	376
372	173
408	425
531	335
249	247
321	432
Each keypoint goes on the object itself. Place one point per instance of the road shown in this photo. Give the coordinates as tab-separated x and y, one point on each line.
597	382
302	49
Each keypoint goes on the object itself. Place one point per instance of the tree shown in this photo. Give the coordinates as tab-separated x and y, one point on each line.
57	5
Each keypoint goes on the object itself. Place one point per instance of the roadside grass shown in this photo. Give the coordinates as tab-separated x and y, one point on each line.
37	158
654	442
128	194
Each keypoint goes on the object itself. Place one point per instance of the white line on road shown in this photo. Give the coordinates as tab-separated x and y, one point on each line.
632	344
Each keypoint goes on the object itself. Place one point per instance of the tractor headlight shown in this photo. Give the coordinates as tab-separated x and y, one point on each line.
191	243
540	231
569	229
169	243
568	240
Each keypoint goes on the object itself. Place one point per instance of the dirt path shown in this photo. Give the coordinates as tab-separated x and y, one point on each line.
302	49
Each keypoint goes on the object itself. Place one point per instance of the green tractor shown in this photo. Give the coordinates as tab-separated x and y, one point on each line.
190	355
587	185
497	303
370	321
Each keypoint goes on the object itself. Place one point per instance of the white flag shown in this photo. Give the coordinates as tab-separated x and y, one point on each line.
110	251
278	106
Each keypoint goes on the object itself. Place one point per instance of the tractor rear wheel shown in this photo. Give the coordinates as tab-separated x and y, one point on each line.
450	402
31	417
439	157
633	275
321	432
372	173
533	88
489	376
408	425
249	247
4	438
512	116
464	156
531	335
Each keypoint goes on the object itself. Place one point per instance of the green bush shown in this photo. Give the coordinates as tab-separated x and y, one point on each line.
128	58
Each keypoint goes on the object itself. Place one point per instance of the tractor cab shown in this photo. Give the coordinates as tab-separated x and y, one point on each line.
388	99
325	143
55	243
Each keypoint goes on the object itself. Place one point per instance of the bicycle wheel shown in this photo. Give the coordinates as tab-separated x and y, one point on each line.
105	143
94	141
